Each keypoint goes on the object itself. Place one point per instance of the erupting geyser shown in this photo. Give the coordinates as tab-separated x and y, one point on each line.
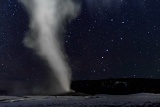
47	20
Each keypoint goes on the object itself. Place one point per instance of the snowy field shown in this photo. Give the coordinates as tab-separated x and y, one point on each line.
134	100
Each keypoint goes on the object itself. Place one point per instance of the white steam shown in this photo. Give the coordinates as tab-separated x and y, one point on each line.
47	20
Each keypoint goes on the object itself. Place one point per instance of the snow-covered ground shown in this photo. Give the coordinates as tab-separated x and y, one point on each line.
134	100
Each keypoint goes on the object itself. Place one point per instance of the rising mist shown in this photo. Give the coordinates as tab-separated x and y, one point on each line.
47	26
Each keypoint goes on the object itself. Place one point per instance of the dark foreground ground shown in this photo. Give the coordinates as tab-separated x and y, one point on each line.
133	100
99	93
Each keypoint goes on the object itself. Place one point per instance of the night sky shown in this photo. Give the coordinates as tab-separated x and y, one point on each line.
109	39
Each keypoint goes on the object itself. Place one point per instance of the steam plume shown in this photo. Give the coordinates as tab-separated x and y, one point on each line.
47	20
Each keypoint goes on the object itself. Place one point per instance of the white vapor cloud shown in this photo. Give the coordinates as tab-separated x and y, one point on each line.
47	21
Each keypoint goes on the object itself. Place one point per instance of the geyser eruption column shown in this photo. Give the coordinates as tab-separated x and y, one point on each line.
47	19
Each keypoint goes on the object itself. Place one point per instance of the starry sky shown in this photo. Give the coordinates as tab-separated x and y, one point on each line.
109	39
